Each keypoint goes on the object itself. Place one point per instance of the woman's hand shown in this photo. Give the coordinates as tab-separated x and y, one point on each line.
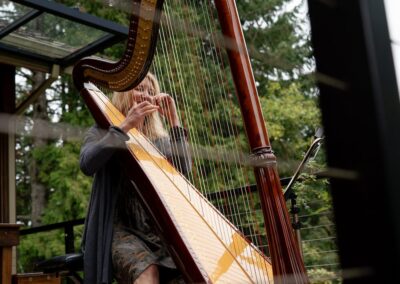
136	115
167	108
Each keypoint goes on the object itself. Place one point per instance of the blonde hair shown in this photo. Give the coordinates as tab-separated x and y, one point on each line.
153	126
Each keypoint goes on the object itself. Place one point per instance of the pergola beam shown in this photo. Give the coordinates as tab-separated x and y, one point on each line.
75	15
22	58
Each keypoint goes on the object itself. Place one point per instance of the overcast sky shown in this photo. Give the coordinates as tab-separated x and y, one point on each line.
393	14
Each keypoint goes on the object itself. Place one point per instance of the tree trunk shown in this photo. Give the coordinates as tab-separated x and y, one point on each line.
38	191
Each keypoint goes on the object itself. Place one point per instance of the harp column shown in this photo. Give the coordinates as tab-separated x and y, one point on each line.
287	263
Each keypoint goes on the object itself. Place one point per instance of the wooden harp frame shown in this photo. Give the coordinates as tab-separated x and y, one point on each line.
288	266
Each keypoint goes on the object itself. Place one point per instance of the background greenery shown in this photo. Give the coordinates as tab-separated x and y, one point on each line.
51	188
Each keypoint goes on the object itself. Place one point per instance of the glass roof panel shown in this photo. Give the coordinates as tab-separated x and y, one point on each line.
106	9
10	11
52	36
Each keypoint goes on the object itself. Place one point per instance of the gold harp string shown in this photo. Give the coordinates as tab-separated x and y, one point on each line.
204	92
178	61
246	195
174	149
179	79
174	79
211	95
199	90
223	165
168	72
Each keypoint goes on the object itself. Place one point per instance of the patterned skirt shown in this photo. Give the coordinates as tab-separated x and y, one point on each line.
132	254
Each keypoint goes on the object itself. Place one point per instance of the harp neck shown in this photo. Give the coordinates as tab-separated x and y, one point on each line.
134	64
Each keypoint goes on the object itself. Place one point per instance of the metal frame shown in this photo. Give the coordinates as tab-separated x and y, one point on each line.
12	55
74	15
20	22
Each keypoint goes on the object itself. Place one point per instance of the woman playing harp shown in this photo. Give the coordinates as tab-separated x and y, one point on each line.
205	246
118	232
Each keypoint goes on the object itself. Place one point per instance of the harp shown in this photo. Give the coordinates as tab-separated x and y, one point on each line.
205	245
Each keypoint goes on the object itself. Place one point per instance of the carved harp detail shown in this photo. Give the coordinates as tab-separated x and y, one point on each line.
187	220
134	65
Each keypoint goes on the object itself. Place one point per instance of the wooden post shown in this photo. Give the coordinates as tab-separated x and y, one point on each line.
8	232
7	161
9	237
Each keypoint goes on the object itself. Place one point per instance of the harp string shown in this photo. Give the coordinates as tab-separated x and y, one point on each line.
230	204
179	88
246	195
176	82
164	61
246	191
177	78
221	79
210	96
207	94
204	92
231	199
176	55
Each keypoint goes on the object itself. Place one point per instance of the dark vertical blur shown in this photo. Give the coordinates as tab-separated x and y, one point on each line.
7	105
361	115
